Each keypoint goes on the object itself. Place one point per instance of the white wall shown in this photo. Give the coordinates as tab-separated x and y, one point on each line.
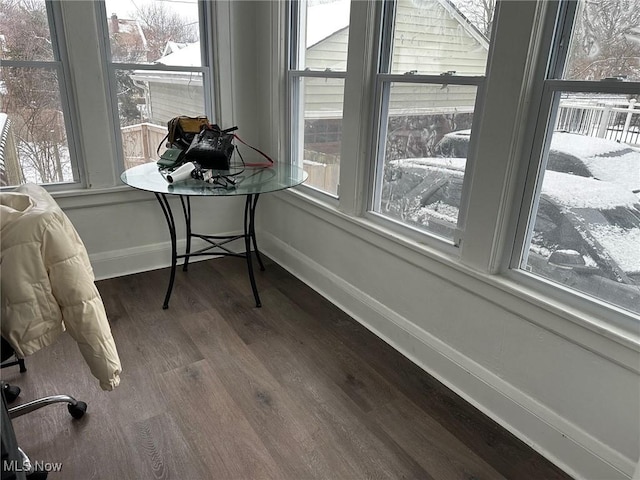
126	232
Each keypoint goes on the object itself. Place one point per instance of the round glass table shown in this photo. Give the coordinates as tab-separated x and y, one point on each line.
249	182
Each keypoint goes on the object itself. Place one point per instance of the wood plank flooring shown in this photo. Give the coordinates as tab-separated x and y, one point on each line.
214	388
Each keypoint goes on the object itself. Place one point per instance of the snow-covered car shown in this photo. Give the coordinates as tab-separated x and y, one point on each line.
581	155
586	235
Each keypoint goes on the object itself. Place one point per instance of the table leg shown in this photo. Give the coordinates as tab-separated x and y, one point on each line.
252	229
249	233
168	215
187	220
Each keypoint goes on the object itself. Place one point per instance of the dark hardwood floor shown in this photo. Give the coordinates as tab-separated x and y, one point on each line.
214	388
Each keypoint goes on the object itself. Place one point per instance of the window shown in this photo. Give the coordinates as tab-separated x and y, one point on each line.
59	122
158	66
583	232
432	67
431	59
318	66
36	143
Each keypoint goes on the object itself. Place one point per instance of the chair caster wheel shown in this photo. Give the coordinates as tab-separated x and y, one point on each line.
78	410
11	392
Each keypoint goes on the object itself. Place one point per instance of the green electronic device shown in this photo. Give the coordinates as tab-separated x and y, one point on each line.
171	158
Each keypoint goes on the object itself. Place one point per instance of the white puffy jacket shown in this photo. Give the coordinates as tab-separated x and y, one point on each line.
47	283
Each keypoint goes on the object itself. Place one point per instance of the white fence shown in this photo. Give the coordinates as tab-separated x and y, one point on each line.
605	121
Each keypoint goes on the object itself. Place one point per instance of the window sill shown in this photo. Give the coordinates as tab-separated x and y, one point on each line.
87	198
573	324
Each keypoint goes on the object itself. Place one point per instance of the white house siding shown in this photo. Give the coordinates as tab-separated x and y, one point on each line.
170	100
429	40
420	99
329	53
323	97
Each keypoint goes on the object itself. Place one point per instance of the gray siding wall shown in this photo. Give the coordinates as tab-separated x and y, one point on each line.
170	100
429	40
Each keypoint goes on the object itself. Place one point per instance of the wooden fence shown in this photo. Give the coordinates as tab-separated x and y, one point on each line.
140	142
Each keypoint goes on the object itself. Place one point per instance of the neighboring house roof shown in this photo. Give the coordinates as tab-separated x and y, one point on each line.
187	55
128	42
470	28
328	19
127	26
181	55
171	47
332	17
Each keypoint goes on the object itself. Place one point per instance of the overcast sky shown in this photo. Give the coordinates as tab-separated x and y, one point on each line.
124	8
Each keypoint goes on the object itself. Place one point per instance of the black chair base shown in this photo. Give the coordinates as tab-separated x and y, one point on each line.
11	392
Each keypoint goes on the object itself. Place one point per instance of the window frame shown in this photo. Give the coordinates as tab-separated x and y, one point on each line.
295	15
551	64
205	20
361	195
91	130
383	83
60	65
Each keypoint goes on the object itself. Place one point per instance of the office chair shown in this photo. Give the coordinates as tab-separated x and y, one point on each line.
76	408
10	393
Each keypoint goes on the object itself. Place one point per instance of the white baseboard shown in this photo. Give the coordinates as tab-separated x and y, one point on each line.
562	442
117	263
127	261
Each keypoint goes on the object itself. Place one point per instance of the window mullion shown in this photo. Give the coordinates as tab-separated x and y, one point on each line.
499	134
362	62
31	63
564	22
97	144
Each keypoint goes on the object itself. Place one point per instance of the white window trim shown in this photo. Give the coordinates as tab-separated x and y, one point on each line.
60	64
383	82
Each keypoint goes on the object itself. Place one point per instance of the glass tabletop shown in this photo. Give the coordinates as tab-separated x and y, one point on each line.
248	180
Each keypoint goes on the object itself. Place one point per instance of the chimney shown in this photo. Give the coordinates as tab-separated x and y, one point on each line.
115	27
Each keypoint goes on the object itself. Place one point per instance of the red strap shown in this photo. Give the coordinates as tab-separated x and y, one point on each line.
263	164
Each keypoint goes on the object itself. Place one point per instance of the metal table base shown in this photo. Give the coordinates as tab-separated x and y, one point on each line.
217	243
